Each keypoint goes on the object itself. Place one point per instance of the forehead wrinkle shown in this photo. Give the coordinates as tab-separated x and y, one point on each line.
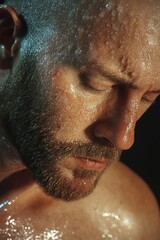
125	33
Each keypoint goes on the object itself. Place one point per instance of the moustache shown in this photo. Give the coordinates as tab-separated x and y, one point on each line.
85	150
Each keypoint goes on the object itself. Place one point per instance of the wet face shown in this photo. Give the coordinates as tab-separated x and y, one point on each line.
75	111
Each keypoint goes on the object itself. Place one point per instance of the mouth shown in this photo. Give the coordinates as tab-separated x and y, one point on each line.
91	164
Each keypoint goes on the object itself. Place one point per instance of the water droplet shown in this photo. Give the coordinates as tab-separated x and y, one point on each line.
111	215
109	236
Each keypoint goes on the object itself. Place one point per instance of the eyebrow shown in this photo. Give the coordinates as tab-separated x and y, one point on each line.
155	91
107	73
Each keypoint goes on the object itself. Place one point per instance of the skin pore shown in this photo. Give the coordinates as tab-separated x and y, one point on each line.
74	94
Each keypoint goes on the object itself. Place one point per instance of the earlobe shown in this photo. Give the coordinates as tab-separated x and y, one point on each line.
10	28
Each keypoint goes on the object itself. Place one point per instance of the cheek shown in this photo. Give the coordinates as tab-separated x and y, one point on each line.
73	108
74	111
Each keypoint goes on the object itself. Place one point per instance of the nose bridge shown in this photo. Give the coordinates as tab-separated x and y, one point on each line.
129	110
123	120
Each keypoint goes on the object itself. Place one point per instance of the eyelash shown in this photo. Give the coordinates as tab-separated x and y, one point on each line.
84	80
146	100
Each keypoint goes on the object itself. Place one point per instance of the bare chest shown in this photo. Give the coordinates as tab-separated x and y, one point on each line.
39	220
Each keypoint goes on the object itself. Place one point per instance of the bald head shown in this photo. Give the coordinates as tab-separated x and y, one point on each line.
70	20
83	74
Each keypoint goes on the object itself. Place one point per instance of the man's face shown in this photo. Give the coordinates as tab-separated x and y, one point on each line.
70	119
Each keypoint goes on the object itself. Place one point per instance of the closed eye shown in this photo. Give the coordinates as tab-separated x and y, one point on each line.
150	97
95	83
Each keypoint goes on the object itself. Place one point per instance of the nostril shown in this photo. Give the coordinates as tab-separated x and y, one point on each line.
103	130
102	141
105	142
101	138
116	135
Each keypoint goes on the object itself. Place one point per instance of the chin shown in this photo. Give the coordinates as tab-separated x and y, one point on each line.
58	185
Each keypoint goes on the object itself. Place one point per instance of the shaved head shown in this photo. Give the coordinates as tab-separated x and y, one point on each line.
84	74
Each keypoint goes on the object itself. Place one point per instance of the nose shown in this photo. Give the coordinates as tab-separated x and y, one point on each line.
119	125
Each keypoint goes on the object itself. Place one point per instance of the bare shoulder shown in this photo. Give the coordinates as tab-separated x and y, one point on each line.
133	199
121	207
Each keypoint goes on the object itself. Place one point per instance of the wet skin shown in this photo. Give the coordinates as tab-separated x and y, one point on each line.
114	210
108	91
91	102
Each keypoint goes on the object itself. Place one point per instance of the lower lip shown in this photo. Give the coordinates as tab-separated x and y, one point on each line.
90	164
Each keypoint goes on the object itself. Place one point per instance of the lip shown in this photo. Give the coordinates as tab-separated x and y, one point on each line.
91	164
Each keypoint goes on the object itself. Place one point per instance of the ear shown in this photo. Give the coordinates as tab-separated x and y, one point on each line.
10	28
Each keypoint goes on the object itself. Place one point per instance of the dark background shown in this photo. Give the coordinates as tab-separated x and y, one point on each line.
144	156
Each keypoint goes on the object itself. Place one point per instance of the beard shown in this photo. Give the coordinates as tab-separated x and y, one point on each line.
54	169
27	114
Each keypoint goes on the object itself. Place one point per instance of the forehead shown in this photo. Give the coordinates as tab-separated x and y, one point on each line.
127	40
123	35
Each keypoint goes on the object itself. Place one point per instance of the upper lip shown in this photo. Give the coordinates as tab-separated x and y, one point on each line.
100	160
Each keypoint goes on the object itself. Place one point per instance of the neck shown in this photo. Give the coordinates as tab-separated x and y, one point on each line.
9	158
